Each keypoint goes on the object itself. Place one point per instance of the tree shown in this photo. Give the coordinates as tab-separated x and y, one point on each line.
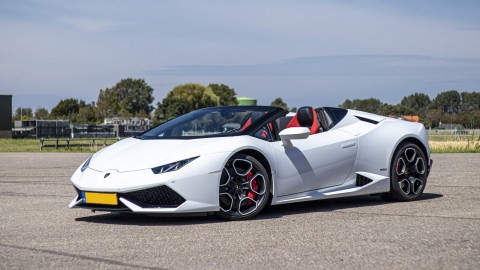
278	102
129	97
371	105
108	104
431	118
186	98
347	104
74	110
226	94
470	101
86	115
41	113
416	102
449	101
22	113
67	108
387	109
468	119
447	107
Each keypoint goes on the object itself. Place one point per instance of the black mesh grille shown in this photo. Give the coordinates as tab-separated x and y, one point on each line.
362	180
161	196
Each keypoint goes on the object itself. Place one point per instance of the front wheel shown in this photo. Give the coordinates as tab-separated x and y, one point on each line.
408	173
244	188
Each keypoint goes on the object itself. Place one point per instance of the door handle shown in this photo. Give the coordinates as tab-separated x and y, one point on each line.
348	144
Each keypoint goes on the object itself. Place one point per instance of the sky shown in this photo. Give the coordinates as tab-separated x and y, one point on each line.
315	53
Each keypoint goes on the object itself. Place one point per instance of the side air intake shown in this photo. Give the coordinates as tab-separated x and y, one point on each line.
362	180
371	121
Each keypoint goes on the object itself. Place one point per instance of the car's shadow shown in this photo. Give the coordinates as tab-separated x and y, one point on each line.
330	205
271	212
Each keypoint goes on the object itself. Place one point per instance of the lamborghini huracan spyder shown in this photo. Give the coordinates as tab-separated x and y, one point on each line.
232	161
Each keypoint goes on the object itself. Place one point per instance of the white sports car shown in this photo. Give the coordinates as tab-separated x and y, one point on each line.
232	161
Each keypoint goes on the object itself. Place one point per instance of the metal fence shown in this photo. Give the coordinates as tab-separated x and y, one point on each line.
41	129
93	131
63	129
453	134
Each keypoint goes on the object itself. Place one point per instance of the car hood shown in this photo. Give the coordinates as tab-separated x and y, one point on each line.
135	154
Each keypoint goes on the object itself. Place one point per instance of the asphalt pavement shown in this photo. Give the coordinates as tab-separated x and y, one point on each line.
39	231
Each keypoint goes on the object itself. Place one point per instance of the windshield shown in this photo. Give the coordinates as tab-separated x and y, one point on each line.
210	122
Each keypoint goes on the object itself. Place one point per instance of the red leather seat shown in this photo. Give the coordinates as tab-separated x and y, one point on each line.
306	117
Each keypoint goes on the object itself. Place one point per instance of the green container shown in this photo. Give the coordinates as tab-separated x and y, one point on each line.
245	101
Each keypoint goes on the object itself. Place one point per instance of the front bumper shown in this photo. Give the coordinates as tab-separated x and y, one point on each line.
192	189
162	198
156	197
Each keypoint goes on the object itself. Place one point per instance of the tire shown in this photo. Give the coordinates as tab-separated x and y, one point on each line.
244	188
408	173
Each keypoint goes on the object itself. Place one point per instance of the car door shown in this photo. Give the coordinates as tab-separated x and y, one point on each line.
322	160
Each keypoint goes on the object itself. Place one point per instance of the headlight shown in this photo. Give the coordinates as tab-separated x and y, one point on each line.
172	166
85	165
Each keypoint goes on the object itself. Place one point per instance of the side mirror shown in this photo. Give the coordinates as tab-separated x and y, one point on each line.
293	133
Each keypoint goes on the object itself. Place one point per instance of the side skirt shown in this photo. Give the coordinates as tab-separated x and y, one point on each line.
379	184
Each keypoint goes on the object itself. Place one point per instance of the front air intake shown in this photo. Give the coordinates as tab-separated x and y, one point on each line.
161	196
362	180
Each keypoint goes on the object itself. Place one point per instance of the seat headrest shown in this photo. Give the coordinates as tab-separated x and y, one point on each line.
305	116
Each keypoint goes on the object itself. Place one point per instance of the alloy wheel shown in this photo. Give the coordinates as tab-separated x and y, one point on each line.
243	188
410	171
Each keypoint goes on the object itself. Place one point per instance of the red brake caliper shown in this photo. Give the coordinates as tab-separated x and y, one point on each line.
398	165
251	194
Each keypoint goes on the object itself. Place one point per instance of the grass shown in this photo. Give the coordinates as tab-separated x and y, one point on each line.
467	144
33	145
455	146
446	141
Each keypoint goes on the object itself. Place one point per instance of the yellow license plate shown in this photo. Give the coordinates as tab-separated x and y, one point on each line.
100	198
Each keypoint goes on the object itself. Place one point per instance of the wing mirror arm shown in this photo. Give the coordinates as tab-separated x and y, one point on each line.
293	133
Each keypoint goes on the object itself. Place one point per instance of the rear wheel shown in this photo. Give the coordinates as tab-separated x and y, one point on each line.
408	173
244	188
